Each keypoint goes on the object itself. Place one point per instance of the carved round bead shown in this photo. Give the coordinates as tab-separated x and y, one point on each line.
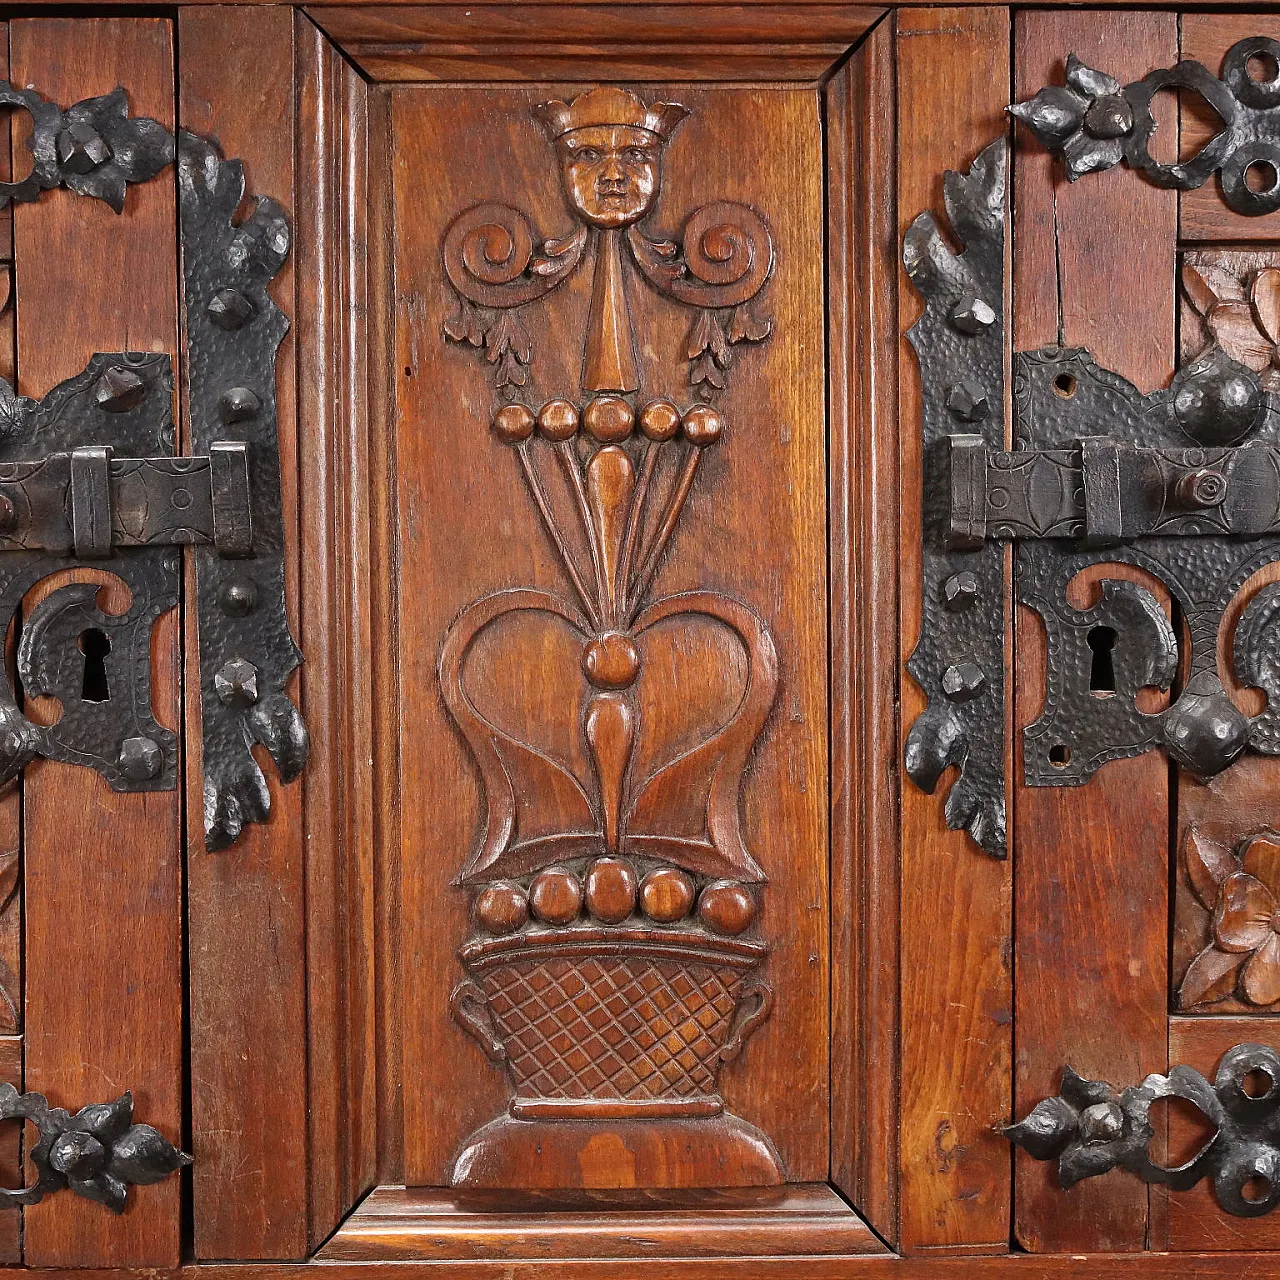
608	419
558	420
726	907
659	420
611	890
513	423
612	661
555	896
702	425
502	907
667	894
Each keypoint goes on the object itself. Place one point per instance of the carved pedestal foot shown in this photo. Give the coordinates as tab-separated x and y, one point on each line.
720	1151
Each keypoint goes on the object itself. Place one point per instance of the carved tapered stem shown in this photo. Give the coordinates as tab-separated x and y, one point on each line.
635	519
553	531
573	473
667	528
610	731
611	481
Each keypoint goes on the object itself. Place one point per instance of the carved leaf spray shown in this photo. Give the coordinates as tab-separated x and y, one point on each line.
611	968
1184	483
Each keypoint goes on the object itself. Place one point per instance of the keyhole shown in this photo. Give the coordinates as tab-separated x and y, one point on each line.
95	644
1102	672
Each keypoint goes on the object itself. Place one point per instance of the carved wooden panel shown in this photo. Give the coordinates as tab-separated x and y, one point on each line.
613	680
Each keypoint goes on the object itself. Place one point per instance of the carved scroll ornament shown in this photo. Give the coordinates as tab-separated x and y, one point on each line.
612	967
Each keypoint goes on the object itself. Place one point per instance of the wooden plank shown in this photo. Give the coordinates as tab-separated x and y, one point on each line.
1093	266
806	1219
246	914
1203	214
953	87
862	350
11	984
333	458
519	42
384	549
1168	1266
104	1004
755	530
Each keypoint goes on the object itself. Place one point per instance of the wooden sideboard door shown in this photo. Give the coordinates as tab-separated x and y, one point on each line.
1107	941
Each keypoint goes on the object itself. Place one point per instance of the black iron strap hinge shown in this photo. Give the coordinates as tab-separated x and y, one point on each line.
90	478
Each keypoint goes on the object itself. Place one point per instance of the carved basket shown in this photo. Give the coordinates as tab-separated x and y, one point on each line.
599	1022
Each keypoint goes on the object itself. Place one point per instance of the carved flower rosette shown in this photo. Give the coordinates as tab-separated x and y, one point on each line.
612	967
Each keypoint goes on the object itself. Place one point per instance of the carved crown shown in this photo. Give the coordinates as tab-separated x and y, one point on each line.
607	106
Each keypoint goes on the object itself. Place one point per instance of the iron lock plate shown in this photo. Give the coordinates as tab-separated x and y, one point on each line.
1183	483
89	479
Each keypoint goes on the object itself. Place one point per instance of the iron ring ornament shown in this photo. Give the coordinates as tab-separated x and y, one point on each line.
1090	1128
98	1153
1183	483
89	479
1093	122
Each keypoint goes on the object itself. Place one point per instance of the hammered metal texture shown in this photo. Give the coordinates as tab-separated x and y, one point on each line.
959	646
230	346
1082	727
49	658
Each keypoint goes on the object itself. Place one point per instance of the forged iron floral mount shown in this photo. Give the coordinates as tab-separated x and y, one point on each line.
89	479
1183	482
1089	1129
98	1153
1093	122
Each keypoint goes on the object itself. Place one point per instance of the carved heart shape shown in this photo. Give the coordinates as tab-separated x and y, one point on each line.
654	768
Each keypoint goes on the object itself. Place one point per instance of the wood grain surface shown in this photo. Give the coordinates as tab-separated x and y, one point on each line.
246	904
862	351
957	1001
608	42
104	1003
754	529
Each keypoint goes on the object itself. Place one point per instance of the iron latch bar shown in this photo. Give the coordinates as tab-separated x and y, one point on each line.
87	502
1105	491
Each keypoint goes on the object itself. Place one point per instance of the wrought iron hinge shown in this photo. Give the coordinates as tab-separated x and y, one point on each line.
1090	1128
89	479
1183	483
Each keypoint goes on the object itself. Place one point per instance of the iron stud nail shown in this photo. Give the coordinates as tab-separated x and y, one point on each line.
968	401
119	390
963	680
960	591
81	148
238	404
237	684
971	315
229	309
238	596
140	759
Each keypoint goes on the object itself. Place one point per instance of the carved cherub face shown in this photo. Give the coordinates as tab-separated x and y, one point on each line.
611	173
